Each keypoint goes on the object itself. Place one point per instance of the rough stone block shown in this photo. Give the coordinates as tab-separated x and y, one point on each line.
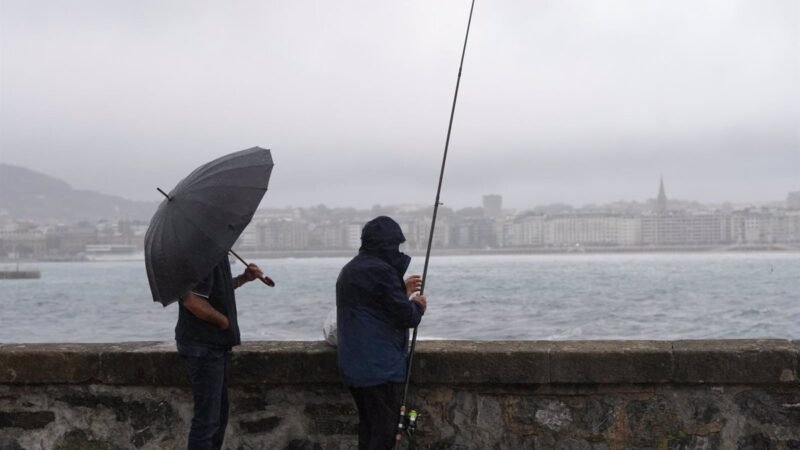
9	443
694	442
264	425
247	404
329	426
543	413
596	415
650	419
84	440
315	410
303	444
27	420
140	413
756	441
775	408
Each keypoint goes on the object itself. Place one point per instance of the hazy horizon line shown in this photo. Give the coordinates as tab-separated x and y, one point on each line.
157	199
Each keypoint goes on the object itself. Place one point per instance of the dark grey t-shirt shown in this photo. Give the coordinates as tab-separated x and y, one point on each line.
217	288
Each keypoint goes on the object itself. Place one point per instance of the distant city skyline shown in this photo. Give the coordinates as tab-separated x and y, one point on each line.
315	231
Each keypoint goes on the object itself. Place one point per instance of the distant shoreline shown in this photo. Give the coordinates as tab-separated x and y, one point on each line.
774	248
537	251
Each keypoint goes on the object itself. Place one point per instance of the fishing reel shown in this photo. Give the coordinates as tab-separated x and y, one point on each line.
407	423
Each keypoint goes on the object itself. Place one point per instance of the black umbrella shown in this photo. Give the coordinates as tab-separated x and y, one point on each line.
198	222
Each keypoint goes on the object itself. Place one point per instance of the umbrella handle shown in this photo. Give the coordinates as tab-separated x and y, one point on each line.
265	279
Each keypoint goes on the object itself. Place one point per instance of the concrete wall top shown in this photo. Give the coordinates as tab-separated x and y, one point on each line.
436	362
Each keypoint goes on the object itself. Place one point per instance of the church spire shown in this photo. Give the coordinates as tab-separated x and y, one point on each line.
661	202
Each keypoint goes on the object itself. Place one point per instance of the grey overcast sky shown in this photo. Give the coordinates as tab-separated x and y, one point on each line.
560	101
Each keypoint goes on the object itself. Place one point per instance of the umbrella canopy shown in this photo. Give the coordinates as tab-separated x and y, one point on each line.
198	222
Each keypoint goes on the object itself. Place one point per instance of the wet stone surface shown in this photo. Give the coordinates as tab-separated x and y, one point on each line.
597	416
758	441
140	414
9	443
27	420
694	442
84	440
763	407
302	444
264	425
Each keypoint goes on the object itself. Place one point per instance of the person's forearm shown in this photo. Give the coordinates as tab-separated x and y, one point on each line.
238	281
406	313
203	310
214	317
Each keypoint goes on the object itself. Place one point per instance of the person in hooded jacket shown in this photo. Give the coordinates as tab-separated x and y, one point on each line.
374	310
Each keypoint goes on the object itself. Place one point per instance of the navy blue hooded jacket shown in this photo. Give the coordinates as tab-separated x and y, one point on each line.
373	313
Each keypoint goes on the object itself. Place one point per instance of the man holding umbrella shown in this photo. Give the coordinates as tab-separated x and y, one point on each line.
207	329
186	257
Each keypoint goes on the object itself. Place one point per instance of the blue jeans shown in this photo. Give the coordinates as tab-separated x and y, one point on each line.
208	370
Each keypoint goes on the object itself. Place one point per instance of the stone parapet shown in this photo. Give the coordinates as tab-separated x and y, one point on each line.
577	395
436	362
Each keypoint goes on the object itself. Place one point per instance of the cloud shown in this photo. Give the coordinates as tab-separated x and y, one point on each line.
560	101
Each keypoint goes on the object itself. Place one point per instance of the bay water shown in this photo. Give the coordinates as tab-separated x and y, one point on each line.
486	297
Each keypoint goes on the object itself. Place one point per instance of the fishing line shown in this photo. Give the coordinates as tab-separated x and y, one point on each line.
401	425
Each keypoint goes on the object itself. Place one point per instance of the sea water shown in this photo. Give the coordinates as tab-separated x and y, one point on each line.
487	297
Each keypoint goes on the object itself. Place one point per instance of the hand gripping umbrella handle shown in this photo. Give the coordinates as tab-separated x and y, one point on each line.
264	279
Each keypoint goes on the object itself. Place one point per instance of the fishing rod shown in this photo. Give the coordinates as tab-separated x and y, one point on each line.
401	426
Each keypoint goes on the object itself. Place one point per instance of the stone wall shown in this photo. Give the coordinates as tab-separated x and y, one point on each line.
588	395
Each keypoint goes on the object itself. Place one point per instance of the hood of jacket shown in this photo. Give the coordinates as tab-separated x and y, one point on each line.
381	237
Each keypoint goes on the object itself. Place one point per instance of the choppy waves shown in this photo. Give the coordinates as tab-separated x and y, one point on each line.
528	297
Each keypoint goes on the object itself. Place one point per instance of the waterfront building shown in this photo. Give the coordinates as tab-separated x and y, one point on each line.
417	232
352	235
765	226
682	228
792	226
593	229
71	240
474	232
493	206
525	231
283	234
250	238
629	230
329	236
23	243
793	201
663	227
415	235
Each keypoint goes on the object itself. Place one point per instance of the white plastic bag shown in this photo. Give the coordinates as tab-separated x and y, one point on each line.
329	328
